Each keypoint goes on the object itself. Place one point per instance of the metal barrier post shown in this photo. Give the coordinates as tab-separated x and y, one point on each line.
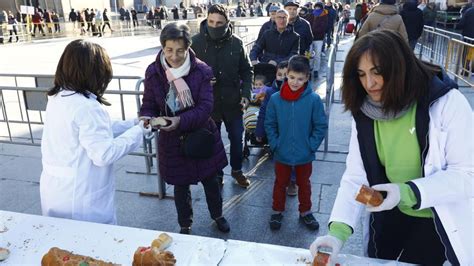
161	182
4	112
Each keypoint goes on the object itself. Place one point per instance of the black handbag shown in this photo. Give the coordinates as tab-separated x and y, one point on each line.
198	144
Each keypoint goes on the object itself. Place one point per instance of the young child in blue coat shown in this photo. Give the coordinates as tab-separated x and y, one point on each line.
295	124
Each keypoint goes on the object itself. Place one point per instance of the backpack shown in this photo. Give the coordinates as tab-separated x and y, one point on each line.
358	12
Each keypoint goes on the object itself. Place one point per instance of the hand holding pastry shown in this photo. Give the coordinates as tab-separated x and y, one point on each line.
369	196
392	199
327	241
174	123
146	129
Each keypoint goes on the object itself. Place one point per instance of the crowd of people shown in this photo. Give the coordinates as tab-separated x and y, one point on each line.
410	127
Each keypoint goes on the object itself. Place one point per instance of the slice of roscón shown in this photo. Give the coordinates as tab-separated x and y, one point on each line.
4	253
158	122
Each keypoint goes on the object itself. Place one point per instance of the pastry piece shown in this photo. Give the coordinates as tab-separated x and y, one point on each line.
148	256
4	253
59	257
321	259
159	122
162	242
370	196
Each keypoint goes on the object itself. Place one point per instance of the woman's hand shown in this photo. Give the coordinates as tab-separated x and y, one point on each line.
145	119
146	129
327	241
174	123
392	199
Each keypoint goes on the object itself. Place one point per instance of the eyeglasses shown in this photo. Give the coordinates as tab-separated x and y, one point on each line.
285	17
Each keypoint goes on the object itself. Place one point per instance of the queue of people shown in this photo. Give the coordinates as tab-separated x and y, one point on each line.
409	131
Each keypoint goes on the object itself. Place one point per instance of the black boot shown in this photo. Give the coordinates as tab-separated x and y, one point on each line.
222	224
185	230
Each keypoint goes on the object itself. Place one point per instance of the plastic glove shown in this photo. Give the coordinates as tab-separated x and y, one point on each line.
174	123
143	118
392	199
327	241
146	129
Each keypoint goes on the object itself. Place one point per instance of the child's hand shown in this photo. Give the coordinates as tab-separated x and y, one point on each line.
244	102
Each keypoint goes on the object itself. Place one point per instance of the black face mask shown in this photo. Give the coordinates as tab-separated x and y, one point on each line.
279	83
218	32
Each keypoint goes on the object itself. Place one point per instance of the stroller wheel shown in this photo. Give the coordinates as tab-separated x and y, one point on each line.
246	152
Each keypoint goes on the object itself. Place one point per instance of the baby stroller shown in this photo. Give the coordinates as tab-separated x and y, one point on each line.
251	114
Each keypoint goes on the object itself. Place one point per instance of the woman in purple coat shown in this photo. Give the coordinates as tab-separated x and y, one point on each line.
178	88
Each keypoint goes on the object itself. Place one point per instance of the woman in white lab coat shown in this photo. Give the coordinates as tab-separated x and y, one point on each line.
80	143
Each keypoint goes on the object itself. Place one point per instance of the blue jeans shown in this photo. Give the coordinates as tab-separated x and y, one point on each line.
235	130
329	37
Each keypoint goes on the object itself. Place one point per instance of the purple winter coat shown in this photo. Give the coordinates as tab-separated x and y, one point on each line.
176	169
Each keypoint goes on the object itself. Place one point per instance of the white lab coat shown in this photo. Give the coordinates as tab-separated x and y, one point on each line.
448	182
78	147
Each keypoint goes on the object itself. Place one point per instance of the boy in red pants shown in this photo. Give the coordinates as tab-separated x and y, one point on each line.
296	125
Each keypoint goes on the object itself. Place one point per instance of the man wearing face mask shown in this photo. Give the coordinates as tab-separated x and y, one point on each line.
224	52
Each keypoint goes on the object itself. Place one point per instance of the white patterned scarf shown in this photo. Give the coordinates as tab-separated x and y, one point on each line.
177	84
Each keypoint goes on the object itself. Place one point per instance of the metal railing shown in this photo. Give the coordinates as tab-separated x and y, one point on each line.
23	100
27	32
450	50
330	77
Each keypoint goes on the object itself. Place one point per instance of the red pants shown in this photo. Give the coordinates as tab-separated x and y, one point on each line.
282	180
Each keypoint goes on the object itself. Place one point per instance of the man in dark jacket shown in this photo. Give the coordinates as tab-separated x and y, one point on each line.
332	14
278	43
467	25
300	26
73	17
319	21
466	7
413	19
267	25
224	52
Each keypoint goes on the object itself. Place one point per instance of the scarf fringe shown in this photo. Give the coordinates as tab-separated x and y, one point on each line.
186	98
176	81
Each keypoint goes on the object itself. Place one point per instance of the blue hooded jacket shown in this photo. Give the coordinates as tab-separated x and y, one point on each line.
295	129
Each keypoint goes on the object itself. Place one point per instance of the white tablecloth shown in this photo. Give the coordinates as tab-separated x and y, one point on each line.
29	237
248	253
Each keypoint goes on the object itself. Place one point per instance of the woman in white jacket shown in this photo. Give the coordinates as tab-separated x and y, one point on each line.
411	138
80	143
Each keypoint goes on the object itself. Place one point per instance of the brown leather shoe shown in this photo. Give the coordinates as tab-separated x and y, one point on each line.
241	179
